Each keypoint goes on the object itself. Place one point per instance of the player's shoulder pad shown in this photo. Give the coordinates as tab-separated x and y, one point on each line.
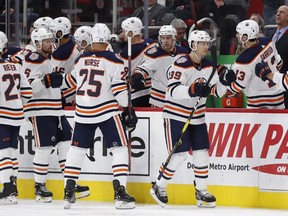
181	49
11	50
64	51
2	61
152	51
149	41
34	57
183	61
264	40
249	54
110	56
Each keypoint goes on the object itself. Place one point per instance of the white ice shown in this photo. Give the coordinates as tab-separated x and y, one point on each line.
32	208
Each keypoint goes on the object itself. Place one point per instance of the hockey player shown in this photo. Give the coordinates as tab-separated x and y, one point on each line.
132	27
259	94
100	91
187	84
45	112
63	58
15	91
157	60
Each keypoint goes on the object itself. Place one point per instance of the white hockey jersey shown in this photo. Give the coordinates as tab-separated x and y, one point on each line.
101	87
45	101
137	57
178	103
156	63
259	94
14	92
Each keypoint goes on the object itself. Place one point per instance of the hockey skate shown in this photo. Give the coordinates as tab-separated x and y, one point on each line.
69	193
122	199
81	191
8	194
205	199
159	194
42	193
13	180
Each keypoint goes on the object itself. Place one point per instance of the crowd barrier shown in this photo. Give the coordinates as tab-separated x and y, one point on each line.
248	163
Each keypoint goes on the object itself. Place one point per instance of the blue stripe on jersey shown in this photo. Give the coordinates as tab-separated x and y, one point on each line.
266	96
98	105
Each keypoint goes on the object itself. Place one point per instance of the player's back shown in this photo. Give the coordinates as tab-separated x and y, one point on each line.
259	94
96	73
11	106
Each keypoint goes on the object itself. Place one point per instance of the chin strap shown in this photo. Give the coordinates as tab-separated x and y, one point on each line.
199	58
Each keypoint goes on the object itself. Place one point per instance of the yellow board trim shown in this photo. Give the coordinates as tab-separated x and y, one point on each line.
180	194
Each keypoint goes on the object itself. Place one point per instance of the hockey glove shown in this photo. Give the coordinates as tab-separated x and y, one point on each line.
137	81
199	89
262	70
129	121
53	79
226	76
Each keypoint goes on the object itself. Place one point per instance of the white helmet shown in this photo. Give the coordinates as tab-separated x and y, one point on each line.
81	34
100	33
61	24
2	46
133	24
249	28
3	38
196	36
168	30
38	35
42	22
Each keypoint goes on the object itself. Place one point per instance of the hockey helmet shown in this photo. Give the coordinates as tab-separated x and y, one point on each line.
2	46
133	24
3	38
100	33
196	36
168	30
38	35
249	28
81	34
60	24
42	22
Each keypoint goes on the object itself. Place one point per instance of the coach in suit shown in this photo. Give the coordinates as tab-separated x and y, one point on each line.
281	40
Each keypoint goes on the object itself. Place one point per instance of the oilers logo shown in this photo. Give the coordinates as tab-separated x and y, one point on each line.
200	80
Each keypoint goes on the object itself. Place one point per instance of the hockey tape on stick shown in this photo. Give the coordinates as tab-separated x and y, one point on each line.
179	141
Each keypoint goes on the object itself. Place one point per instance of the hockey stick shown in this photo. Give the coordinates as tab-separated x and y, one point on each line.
129	100
179	141
194	14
